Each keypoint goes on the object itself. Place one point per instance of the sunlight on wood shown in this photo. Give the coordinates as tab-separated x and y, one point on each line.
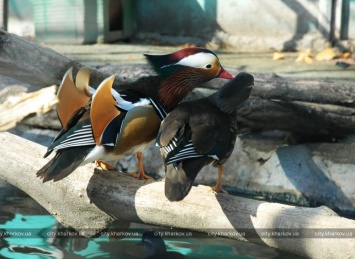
15	108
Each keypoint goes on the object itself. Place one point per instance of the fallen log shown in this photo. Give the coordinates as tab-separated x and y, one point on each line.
305	107
31	63
89	201
267	86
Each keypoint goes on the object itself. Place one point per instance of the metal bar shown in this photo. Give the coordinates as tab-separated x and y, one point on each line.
4	14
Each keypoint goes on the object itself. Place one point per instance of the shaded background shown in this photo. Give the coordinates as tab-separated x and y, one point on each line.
241	24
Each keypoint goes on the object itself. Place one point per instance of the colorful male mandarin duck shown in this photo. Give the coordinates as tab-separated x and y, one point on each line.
200	132
110	125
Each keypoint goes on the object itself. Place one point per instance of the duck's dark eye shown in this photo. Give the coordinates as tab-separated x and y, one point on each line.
208	66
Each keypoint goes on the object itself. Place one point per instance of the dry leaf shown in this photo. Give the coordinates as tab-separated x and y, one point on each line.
308	60
305	56
278	56
346	55
326	55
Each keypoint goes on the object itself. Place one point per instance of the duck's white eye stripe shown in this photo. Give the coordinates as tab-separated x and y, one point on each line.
198	60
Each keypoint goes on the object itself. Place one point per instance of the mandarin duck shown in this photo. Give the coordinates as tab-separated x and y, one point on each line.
201	132
108	125
154	247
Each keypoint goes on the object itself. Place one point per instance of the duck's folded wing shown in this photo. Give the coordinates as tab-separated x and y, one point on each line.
103	109
70	97
79	135
172	129
82	81
168	132
199	139
111	111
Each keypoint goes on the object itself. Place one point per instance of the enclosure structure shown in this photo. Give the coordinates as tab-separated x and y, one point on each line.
241	24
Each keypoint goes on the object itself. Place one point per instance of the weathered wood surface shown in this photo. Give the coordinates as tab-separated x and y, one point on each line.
87	201
14	107
303	118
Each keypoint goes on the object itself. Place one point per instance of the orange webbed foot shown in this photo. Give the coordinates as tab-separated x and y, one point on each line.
140	175
218	189
104	165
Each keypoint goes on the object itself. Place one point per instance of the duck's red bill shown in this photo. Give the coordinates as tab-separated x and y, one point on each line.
224	74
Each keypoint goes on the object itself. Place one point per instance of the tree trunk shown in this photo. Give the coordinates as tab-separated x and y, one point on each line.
86	200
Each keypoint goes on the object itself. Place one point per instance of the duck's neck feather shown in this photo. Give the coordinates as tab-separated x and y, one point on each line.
169	91
175	88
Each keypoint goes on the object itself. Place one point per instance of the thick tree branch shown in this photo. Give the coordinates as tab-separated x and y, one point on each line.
84	200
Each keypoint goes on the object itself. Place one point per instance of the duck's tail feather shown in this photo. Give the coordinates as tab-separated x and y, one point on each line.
178	182
63	163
